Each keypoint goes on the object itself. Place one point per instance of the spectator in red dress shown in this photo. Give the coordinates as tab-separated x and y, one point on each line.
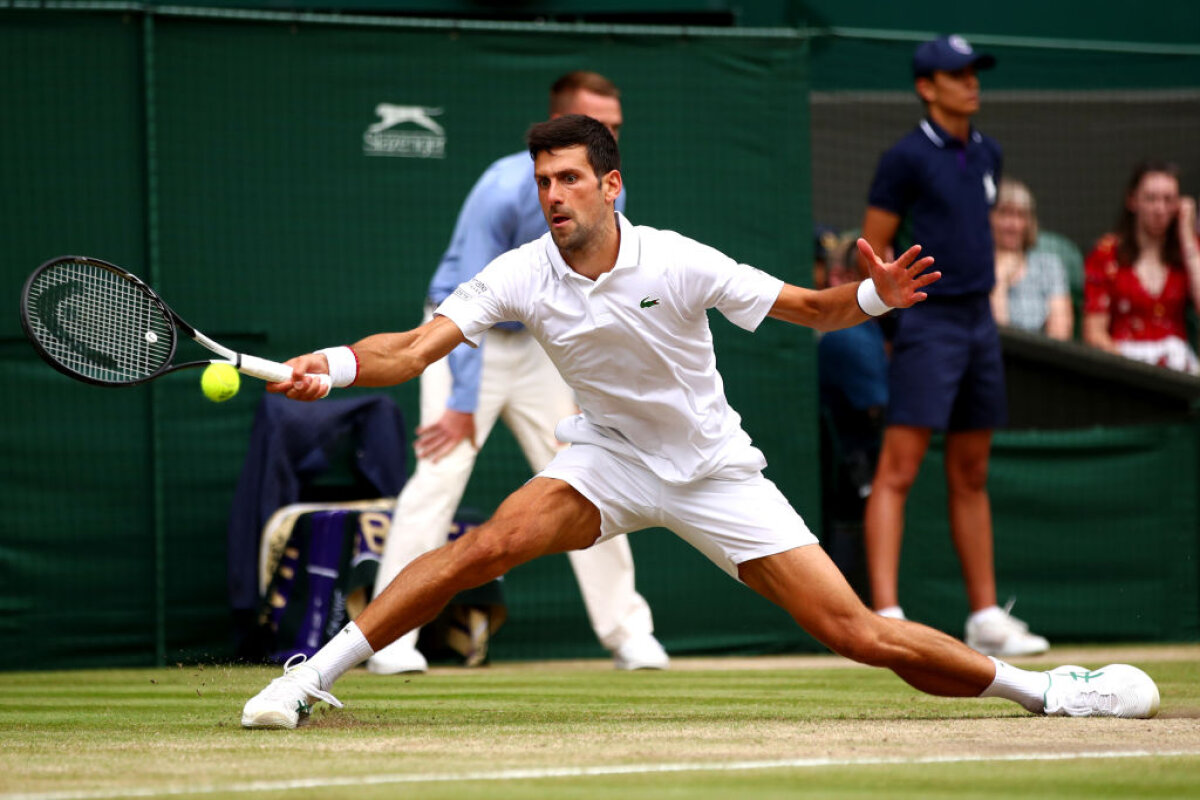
1141	278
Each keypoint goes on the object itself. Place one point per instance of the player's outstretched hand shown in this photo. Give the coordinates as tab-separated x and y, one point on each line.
899	283
310	378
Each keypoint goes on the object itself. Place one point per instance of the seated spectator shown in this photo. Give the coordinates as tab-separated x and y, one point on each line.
1142	277
1032	292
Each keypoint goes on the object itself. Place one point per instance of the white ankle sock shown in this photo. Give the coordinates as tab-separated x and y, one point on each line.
892	612
1019	685
345	650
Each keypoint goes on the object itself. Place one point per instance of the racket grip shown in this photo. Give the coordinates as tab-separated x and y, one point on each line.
274	372
269	371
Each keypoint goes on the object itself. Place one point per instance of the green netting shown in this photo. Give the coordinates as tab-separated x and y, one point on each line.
235	152
1095	535
223	156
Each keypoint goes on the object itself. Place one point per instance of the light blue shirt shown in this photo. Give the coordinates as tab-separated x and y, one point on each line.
501	213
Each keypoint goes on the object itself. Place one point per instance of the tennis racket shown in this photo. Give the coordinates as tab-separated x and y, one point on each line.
101	324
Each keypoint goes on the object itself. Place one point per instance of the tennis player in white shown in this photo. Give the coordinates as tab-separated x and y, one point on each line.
621	310
508	379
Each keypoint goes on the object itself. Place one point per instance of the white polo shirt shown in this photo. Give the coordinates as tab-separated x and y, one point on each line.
634	345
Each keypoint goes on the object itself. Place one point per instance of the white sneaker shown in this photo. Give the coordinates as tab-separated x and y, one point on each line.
396	658
641	652
288	699
1117	690
1003	635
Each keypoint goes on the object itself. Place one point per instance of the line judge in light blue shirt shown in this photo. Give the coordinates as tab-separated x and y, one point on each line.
509	377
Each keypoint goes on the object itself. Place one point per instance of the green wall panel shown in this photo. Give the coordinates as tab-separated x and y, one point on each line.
1095	531
224	159
273	229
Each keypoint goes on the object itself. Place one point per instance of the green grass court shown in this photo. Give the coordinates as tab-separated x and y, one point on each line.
803	726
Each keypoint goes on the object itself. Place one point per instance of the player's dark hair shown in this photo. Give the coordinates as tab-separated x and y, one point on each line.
1127	242
563	90
574	130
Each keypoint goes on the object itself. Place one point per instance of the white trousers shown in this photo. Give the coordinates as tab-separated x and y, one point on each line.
520	385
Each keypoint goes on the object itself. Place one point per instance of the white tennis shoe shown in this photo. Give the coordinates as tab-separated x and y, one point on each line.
1117	690
1003	635
288	699
641	652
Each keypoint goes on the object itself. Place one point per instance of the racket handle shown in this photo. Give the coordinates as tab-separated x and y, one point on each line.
269	371
274	372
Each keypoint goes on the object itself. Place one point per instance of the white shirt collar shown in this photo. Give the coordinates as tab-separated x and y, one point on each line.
934	137
628	256
931	134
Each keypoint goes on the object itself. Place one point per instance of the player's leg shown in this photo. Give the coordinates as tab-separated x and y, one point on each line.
900	458
619	615
426	506
806	583
544	516
748	528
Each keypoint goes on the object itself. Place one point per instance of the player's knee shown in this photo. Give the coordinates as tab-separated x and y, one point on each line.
484	554
503	543
862	641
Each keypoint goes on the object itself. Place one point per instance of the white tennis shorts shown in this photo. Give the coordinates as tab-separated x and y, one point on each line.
729	521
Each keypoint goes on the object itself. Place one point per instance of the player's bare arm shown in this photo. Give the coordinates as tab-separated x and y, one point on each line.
898	284
384	359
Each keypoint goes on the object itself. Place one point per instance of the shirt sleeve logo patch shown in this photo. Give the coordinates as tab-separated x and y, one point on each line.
471	289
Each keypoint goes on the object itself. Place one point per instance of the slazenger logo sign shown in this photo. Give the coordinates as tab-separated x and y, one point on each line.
405	132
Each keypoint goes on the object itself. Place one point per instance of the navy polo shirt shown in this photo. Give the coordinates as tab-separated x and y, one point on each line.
942	188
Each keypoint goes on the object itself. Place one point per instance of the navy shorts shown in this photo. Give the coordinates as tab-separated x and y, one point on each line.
947	370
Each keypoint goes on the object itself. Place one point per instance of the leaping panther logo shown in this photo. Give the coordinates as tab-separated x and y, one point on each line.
391	115
382	138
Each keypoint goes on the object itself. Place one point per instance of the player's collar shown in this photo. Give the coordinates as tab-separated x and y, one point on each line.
631	245
627	256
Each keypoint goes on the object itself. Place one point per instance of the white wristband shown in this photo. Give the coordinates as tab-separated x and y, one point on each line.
868	300
343	365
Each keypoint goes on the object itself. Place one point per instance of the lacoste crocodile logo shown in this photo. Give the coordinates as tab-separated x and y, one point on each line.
648	303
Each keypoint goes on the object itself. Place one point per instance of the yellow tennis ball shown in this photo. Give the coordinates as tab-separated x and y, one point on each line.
220	382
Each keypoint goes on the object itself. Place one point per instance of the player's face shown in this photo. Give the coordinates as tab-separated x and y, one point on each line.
1155	203
577	205
954	93
606	110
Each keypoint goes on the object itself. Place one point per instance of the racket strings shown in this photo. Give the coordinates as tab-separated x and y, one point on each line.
98	323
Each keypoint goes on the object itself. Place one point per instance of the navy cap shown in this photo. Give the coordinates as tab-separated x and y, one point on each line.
947	54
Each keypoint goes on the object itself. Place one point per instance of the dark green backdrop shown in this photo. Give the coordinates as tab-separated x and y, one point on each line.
223	159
